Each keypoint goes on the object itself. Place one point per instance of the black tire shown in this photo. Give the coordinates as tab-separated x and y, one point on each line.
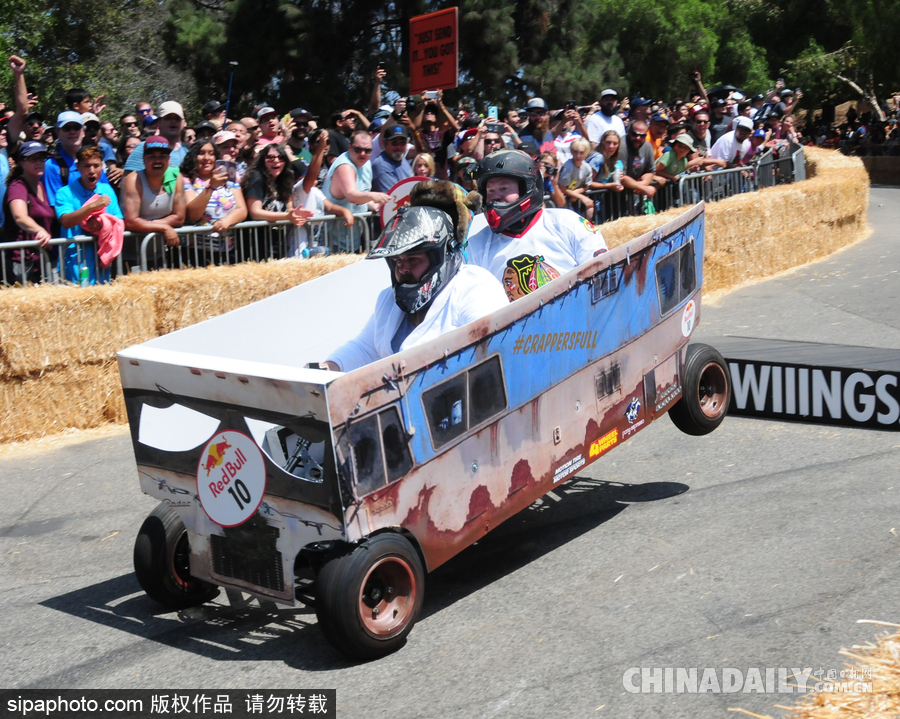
368	600
161	562
706	391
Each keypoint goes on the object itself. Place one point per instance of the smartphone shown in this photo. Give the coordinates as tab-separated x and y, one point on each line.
492	112
230	168
571	105
495	127
432	94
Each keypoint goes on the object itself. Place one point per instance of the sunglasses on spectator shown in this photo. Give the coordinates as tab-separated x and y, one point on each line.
537	113
491	141
252	128
71	127
701	122
361	150
398	141
273	158
130	124
301	124
634	133
145	111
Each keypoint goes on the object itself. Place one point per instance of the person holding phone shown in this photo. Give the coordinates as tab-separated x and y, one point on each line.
212	198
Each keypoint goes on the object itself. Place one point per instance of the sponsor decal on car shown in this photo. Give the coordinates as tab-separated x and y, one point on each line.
231	478
564	470
601	445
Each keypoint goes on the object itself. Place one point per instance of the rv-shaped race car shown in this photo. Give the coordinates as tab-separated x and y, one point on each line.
342	489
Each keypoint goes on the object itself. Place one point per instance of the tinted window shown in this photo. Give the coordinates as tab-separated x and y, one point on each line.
676	278
487	395
464	402
396	448
365	447
445	407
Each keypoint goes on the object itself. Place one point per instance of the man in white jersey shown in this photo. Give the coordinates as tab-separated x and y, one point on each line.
524	245
433	291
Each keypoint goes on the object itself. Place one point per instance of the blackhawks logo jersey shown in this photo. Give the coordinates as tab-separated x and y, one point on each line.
554	242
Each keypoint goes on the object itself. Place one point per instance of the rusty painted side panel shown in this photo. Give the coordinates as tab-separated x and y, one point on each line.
583	366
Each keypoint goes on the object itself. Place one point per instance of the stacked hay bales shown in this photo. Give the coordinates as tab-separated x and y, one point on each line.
760	234
58	344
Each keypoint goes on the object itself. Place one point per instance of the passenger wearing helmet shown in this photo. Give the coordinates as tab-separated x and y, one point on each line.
433	290
524	245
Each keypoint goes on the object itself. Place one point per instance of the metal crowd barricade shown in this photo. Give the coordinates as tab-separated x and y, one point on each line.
198	247
251	241
716	185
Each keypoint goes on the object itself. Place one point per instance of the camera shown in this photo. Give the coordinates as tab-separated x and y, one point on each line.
571	105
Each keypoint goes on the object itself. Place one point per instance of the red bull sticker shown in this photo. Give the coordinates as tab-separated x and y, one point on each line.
688	317
231	478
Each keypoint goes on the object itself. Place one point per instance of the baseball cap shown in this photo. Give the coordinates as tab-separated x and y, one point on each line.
301	112
150	119
718	102
34	115
787	91
395	131
64	118
171	108
32	147
536	103
759	132
685	139
224	136
212	107
659	117
529	148
640	101
737	96
206	125
608	92
263	111
87	117
465	161
157	142
744	122
377	122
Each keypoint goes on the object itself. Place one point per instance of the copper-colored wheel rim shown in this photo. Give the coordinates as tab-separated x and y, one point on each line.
180	564
388	597
713	390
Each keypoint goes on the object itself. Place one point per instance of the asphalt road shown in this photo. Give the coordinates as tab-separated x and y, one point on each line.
758	546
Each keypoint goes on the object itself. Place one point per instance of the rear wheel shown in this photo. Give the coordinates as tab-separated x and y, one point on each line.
162	562
706	391
367	601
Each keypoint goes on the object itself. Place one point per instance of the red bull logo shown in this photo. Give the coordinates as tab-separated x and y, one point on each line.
216	456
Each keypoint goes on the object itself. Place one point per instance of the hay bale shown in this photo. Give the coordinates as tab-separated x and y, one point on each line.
48	327
184	297
80	396
883	702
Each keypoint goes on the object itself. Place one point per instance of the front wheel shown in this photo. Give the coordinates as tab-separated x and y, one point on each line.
367	601
706	391
162	562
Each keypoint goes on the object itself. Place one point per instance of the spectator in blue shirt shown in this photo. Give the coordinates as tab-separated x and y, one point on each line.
72	207
171	123
391	166
61	170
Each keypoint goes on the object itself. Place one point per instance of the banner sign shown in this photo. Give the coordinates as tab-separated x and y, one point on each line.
434	51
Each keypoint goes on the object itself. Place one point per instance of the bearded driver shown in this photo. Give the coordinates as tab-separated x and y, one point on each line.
433	290
524	245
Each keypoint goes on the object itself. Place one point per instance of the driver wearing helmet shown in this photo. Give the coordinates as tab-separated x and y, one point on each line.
433	290
523	244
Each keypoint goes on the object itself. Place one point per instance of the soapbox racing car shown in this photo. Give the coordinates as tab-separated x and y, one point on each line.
342	489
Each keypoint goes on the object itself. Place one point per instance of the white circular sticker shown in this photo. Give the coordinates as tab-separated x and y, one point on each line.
688	317
399	194
231	478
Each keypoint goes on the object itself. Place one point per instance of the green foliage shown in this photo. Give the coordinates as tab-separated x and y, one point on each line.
323	55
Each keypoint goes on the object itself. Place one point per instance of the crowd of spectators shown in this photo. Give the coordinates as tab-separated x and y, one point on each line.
157	173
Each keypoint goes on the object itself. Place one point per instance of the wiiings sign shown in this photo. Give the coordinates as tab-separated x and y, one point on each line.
811	382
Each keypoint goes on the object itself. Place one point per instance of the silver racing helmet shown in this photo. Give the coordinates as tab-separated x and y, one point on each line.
420	229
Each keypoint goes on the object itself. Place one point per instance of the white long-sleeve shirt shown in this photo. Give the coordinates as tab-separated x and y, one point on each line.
471	294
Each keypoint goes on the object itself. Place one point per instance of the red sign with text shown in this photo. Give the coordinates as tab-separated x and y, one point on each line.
434	51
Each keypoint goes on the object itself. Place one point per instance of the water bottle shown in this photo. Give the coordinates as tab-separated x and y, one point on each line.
617	172
84	275
319	251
